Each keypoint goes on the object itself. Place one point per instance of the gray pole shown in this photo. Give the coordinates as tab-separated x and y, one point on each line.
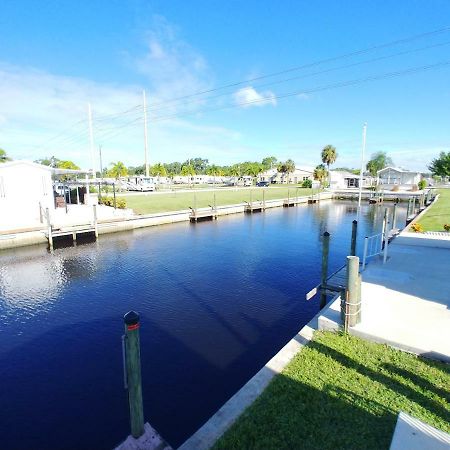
394	217
325	251
352	299
354	234
133	371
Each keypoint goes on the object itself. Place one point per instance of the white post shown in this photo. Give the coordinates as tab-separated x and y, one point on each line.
386	235
366	243
91	140
147	172
362	165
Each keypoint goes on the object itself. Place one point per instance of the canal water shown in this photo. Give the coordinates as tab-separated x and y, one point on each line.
217	301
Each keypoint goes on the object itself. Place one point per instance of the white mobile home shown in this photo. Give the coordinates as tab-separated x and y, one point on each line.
393	176
342	179
24	186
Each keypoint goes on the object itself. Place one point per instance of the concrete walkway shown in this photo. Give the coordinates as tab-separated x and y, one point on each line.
405	302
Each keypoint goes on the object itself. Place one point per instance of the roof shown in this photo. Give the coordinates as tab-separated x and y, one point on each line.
53	170
397	169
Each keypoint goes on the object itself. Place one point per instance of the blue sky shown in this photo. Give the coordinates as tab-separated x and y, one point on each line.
55	57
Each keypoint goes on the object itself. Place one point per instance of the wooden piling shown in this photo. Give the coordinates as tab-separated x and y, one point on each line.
394	217
133	373
354	235
95	220
325	252
352	298
49	228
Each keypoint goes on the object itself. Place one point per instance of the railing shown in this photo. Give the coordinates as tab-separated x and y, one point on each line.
373	246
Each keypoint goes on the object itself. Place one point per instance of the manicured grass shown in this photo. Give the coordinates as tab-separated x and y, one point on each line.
173	201
438	214
341	392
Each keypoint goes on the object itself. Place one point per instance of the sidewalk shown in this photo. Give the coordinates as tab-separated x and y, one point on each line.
405	302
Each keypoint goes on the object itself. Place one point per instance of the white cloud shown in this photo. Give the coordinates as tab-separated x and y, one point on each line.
248	96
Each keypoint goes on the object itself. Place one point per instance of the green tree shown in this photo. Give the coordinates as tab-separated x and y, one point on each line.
3	156
441	166
118	170
48	161
187	170
199	164
320	173
269	162
158	170
378	161
329	156
286	168
67	165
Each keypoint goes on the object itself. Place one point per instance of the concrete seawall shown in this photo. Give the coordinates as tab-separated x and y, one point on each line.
14	240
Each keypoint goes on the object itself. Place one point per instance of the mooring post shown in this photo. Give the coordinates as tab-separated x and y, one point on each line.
354	234
386	234
264	198
325	251
288	197
251	199
95	220
394	217
352	297
114	193
215	204
41	219
133	373
195	202
49	228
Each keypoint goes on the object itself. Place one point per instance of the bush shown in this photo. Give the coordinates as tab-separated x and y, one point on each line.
422	184
447	226
307	184
109	201
417	227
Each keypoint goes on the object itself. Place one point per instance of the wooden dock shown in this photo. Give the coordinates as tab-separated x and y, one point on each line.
70	231
290	202
253	207
202	215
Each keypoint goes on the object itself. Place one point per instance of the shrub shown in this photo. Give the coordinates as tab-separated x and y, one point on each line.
307	184
422	184
447	226
109	201
417	227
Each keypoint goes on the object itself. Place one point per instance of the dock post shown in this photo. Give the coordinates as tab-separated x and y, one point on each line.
133	373
386	234
41	219
215	204
49	229
325	251
114	193
394	217
288	198
354	234
353	304
251	200
366	248
95	220
264	199
195	202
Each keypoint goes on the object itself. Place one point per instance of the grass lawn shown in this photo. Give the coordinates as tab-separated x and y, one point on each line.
438	214
173	201
341	392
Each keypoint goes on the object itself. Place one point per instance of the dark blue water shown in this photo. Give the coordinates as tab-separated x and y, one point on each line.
217	301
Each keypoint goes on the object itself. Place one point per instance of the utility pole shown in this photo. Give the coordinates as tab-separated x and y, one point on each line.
362	166
147	172
91	140
101	163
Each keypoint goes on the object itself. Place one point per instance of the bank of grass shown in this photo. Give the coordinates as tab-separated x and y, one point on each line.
438	214
341	392
174	201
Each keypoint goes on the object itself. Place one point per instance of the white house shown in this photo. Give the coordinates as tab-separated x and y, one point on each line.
393	176
299	175
24	186
342	179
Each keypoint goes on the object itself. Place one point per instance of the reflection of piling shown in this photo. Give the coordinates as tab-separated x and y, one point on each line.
354	235
325	252
133	373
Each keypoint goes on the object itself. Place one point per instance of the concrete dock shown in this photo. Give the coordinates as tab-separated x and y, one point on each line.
405	302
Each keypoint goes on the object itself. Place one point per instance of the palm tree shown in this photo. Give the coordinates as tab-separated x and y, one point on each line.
3	156
118	170
329	156
290	167
320	173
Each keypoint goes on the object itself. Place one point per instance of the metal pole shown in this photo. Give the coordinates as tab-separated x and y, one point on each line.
362	165
353	303
91	140
386	235
325	252
147	172
133	371
354	234
394	217
366	246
